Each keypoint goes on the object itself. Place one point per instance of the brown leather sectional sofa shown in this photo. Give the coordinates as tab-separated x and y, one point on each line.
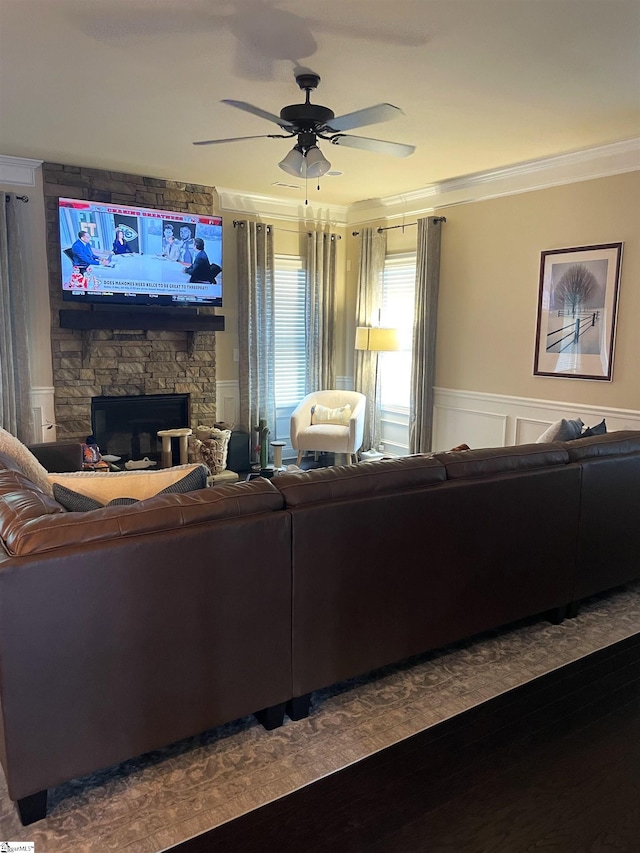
128	628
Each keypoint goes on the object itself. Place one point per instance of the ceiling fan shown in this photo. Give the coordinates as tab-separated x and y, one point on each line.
310	122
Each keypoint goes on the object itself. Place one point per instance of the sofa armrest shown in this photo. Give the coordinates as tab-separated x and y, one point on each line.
58	456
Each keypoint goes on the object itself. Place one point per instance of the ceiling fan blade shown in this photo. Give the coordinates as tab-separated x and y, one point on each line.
256	111
379	146
370	115
239	139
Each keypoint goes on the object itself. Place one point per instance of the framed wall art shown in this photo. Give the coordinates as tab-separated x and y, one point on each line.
577	307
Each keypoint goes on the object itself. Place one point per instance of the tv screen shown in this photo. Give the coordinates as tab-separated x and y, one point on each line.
117	254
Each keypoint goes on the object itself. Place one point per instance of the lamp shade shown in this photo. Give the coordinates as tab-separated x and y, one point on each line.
375	339
317	163
293	163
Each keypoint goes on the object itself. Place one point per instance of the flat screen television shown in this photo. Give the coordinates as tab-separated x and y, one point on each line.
115	254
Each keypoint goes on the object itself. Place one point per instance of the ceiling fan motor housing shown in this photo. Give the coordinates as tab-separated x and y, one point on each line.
306	116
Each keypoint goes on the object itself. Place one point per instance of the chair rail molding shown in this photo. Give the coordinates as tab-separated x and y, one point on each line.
495	420
19	171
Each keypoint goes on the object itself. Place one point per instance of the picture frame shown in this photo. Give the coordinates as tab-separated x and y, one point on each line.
577	311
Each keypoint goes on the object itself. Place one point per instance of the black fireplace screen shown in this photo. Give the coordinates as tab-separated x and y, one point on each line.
128	426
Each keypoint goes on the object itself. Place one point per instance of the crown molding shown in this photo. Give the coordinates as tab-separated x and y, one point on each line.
584	165
19	171
263	206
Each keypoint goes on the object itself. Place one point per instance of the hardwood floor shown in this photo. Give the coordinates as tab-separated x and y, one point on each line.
551	766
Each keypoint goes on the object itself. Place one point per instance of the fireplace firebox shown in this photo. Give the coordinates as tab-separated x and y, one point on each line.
127	426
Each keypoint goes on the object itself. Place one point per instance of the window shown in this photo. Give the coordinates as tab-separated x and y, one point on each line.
290	345
397	311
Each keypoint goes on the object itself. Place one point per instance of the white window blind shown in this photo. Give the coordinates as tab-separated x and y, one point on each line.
290	333
397	311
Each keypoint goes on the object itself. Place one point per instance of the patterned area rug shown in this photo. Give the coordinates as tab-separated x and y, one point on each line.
155	801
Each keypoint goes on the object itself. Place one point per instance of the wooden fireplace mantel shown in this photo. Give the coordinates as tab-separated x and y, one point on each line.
179	320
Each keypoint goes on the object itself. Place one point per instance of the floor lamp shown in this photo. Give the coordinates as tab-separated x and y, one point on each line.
374	339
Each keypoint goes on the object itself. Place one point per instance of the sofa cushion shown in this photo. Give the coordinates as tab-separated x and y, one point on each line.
142	484
77	502
488	461
32	523
562	430
343	482
324	415
25	460
617	443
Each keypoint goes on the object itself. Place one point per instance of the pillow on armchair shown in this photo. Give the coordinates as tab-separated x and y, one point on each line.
324	415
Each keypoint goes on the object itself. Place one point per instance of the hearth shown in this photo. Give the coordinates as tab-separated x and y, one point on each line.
128	426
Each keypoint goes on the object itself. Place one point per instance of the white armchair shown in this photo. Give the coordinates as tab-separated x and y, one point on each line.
329	437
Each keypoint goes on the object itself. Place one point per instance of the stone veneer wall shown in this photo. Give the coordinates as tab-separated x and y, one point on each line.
120	363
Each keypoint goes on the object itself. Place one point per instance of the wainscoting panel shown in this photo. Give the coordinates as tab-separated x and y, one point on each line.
43	412
453	426
227	401
466	416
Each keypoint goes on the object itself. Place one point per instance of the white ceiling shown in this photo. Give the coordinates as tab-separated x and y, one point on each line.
130	84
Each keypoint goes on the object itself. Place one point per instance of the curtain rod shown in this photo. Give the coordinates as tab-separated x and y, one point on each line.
237	222
403	226
24	198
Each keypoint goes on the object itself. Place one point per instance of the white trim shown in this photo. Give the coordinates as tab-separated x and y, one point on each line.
263	207
584	165
228	400
19	171
42	399
458	417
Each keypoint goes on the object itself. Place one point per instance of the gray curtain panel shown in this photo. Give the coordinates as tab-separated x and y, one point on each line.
373	248
15	379
320	310
424	334
256	322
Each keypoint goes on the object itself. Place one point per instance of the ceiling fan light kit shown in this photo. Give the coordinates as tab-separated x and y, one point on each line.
310	122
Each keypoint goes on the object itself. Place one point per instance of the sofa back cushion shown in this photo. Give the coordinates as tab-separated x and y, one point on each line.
620	443
489	461
33	523
341	482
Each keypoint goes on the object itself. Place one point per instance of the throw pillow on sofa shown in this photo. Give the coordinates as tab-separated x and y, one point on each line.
598	429
562	430
25	460
142	484
76	502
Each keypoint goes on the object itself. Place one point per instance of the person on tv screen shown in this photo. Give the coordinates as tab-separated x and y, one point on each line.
83	254
168	234
187	244
199	269
120	245
171	248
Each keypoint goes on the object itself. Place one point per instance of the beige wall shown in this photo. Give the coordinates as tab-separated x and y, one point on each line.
488	293
490	266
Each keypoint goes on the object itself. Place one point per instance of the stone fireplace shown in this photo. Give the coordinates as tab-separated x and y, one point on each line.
115	362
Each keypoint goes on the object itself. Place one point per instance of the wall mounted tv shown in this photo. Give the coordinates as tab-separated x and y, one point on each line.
114	254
